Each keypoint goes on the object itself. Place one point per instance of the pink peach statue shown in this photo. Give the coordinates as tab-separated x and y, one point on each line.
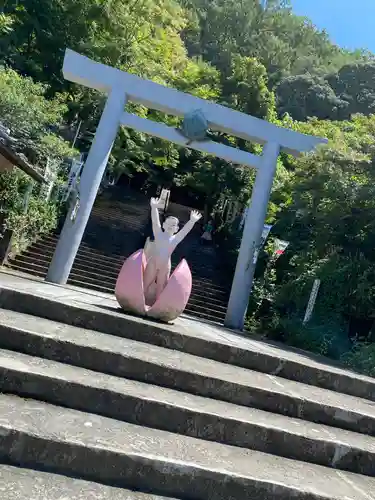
144	285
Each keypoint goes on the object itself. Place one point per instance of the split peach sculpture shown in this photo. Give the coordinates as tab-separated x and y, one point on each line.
144	285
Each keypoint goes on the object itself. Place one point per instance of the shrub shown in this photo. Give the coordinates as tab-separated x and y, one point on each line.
27	223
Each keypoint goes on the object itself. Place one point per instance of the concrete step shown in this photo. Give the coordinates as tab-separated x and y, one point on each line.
205	296
204	312
84	284
31	255
206	305
212	314
198	305
97	279
79	279
81	262
33	270
208	318
31	262
91	447
100	312
106	283
27	484
208	293
120	212
94	255
181	413
91	269
177	370
195	262
216	319
48	248
136	219
95	269
111	254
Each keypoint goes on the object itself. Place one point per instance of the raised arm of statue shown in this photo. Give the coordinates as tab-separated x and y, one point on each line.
194	217
156	227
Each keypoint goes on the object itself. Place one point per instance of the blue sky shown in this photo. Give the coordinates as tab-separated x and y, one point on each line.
350	23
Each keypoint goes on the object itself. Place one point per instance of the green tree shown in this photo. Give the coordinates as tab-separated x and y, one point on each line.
330	222
246	89
284	43
355	84
138	36
307	96
31	117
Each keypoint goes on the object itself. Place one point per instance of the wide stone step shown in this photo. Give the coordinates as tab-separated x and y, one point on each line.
125	455
185	414
90	248
93	255
100	280
176	370
100	312
107	282
27	484
204	312
33	270
81	262
121	211
46	249
34	257
215	319
198	267
202	294
30	263
206	305
100	285
103	277
120	217
105	285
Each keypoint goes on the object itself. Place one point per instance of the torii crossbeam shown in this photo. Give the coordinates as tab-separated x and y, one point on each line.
122	87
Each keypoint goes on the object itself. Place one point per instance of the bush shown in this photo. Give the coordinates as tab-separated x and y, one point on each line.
39	218
32	118
361	358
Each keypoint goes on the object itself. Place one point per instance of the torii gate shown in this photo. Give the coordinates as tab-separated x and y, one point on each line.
122	87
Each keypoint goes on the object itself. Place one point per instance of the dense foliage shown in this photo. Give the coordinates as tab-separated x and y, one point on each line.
257	57
33	121
329	221
27	215
32	118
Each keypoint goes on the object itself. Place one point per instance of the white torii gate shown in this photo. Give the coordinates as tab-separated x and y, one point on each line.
122	87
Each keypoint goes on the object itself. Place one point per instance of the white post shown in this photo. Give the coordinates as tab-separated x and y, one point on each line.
312	300
254	224
93	170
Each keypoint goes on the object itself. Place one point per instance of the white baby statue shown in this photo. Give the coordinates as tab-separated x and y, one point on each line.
158	253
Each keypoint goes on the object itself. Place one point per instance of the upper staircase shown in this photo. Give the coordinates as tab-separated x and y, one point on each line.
118	226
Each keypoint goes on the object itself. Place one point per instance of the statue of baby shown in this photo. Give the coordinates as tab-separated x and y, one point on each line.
158	253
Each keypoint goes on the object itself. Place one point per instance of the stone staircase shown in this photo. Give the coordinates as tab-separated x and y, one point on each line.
96	404
117	227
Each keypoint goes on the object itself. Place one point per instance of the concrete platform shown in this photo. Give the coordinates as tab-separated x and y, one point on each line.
165	409
177	370
26	484
100	312
117	404
35	434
